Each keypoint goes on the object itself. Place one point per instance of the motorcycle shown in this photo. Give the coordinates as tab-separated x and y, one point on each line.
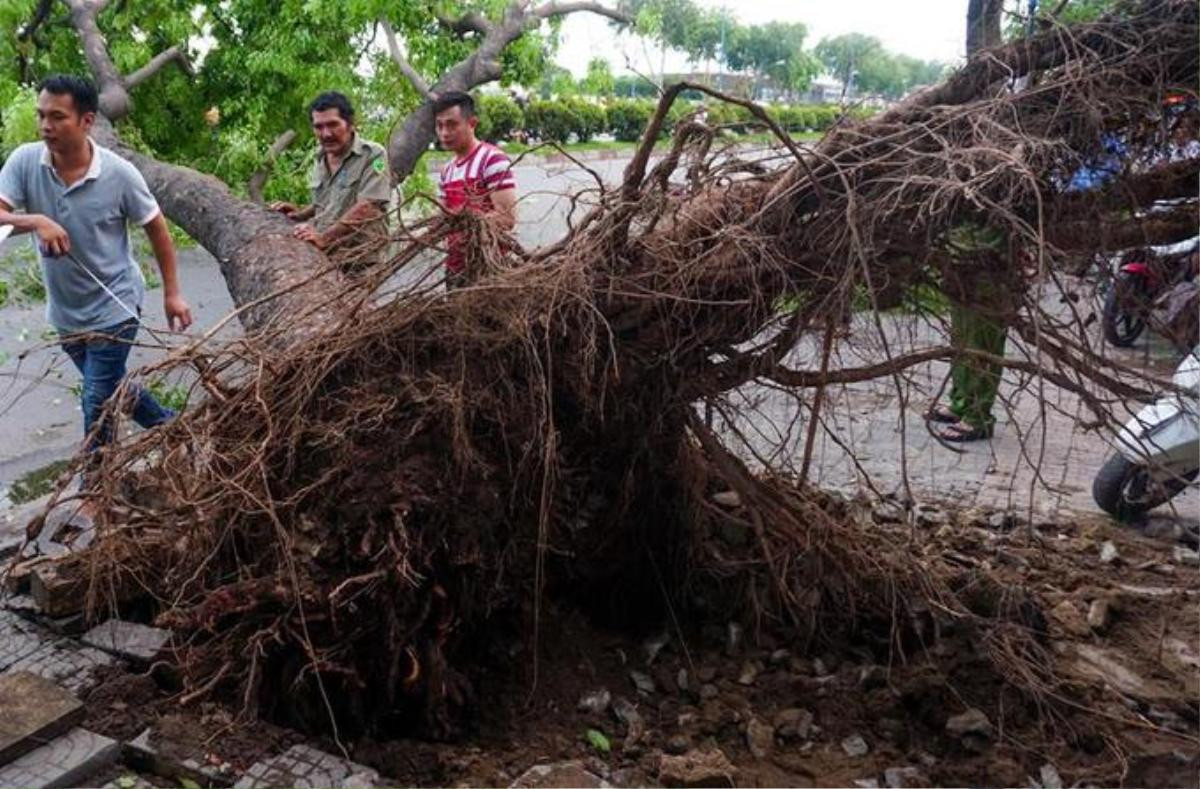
1157	452
1142	276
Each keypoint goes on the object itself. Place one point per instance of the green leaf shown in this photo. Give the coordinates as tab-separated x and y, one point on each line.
127	781
597	740
188	783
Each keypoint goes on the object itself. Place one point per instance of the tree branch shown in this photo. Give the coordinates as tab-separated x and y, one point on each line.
156	63
470	22
39	16
259	179
555	8
410	73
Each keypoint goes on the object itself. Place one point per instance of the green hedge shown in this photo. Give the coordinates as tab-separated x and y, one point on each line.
499	116
576	119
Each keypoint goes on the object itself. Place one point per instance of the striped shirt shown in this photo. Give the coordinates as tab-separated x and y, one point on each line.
467	183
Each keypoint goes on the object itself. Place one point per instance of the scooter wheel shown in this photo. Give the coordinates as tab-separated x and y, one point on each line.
1125	309
1126	490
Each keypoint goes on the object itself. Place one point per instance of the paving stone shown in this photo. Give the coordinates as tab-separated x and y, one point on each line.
136	642
26	646
303	767
175	762
68	760
34	711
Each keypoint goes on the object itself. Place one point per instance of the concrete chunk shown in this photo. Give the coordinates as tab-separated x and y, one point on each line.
303	767
130	640
34	711
68	760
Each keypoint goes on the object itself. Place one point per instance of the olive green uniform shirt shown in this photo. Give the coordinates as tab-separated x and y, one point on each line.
362	175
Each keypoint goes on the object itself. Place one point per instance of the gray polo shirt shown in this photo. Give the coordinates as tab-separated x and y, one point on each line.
94	211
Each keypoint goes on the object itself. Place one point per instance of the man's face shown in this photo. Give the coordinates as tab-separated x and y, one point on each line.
455	132
333	131
61	126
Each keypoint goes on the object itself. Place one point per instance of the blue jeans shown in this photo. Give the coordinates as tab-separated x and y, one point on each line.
101	358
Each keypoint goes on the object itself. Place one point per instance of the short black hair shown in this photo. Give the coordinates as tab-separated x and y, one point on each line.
454	98
82	91
332	100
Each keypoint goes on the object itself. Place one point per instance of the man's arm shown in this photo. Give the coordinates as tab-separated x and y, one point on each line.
51	237
360	213
13	176
294	212
179	315
504	214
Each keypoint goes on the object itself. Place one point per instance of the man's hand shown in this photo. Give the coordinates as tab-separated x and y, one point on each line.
283	207
308	233
52	238
179	314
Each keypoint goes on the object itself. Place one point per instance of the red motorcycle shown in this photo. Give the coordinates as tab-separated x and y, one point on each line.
1142	276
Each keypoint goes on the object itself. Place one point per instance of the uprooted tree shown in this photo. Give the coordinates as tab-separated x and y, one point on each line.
371	487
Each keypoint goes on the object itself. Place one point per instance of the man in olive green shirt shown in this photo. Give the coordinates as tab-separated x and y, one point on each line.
350	189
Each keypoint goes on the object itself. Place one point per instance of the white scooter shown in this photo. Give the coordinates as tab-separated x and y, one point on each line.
1158	451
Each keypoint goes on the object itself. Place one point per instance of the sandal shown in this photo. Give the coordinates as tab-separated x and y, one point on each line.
941	413
962	432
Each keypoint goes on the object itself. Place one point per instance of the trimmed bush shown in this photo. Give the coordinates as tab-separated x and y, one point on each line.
550	120
498	117
588	119
628	118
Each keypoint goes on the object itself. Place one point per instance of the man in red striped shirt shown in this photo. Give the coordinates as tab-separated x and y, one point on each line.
478	178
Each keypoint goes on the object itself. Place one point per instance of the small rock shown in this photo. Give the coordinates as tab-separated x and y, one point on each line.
888	512
749	673
706	673
681	680
1068	616
904	778
793	723
733	638
570	773
872	676
973	721
855	746
779	657
760	738
867	783
696	768
676	745
728	499
1186	556
709	691
642	682
1108	552
930	516
1050	779
1098	614
635	727
595	702
1002	521
819	668
654	645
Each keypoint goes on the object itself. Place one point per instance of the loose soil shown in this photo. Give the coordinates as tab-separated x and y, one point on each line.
1121	711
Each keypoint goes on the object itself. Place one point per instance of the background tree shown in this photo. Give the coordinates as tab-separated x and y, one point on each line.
774	50
599	80
845	55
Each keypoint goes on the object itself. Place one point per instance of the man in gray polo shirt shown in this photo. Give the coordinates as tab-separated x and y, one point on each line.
77	198
350	188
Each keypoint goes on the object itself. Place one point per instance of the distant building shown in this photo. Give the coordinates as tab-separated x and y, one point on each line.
826	90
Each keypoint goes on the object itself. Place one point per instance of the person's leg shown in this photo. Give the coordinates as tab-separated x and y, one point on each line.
976	381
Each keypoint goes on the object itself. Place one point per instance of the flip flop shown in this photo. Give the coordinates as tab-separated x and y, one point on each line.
941	413
961	432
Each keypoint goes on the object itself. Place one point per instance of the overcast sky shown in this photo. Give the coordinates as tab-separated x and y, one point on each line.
927	29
